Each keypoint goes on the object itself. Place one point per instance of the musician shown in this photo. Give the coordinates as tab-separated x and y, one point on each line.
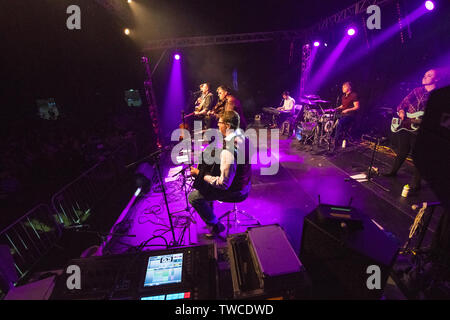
415	101
348	109
234	181
227	102
203	105
287	109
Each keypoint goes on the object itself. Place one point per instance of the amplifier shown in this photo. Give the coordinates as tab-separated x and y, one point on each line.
178	273
337	253
264	265
339	216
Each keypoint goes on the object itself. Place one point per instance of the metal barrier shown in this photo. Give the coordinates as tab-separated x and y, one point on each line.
74	202
31	237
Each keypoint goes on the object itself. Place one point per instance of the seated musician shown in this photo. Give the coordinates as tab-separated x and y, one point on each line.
227	102
348	108
234	180
203	105
280	114
287	109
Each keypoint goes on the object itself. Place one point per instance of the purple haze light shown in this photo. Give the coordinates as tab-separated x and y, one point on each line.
316	43
429	5
177	56
351	32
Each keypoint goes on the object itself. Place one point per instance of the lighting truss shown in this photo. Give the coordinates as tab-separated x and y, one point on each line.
354	10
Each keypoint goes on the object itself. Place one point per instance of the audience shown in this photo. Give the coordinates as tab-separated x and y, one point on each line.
40	157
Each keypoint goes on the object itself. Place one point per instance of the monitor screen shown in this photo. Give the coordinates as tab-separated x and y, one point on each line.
133	98
163	270
47	109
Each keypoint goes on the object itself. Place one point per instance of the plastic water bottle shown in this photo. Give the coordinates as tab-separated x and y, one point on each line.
405	190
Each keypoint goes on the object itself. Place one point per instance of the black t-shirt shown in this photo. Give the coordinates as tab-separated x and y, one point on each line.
347	102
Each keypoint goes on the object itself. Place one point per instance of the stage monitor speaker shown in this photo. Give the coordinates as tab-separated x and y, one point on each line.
337	257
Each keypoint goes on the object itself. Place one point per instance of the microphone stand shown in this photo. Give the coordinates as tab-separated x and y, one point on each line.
161	181
156	157
372	160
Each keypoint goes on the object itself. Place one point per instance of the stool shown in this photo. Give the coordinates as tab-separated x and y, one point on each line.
235	211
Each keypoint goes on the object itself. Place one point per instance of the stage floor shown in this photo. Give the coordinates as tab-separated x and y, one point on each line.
284	199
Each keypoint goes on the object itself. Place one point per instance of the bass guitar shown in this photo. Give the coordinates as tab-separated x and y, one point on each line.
410	123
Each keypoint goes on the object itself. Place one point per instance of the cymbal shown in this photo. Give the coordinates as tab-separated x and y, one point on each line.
306	101
311	96
320	101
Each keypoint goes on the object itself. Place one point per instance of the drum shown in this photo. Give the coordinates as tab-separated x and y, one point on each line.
327	117
328	126
305	130
311	115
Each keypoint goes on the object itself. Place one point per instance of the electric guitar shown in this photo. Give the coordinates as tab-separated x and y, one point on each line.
205	169
410	123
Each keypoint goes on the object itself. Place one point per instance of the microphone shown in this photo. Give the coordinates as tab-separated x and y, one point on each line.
196	92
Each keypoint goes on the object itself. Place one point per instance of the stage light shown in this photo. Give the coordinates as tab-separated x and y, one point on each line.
351	32
429	5
126	31
129	1
177	56
316	43
325	44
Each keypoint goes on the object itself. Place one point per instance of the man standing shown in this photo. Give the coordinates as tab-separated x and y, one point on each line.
234	180
203	105
348	108
415	101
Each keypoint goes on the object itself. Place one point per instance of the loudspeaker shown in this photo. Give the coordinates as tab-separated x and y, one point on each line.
340	260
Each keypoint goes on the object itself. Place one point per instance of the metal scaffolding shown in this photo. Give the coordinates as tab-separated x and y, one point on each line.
290	35
223	39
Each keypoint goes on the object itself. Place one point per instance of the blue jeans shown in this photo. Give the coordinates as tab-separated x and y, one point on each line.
343	124
203	204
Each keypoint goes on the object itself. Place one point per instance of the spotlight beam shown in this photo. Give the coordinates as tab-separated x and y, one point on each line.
380	39
326	67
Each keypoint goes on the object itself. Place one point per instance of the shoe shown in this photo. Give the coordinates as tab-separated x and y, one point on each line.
215	230
389	174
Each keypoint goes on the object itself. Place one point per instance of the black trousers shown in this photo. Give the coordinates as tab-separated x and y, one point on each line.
406	142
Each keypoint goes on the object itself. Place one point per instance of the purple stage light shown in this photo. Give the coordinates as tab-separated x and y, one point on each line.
351	31
429	5
316	43
177	56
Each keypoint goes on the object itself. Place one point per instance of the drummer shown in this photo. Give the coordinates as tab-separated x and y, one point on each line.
348	109
287	109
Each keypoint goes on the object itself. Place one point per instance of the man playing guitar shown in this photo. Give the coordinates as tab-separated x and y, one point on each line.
227	102
413	103
232	182
203	105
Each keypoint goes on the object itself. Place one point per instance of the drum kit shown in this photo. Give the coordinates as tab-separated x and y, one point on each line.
315	126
